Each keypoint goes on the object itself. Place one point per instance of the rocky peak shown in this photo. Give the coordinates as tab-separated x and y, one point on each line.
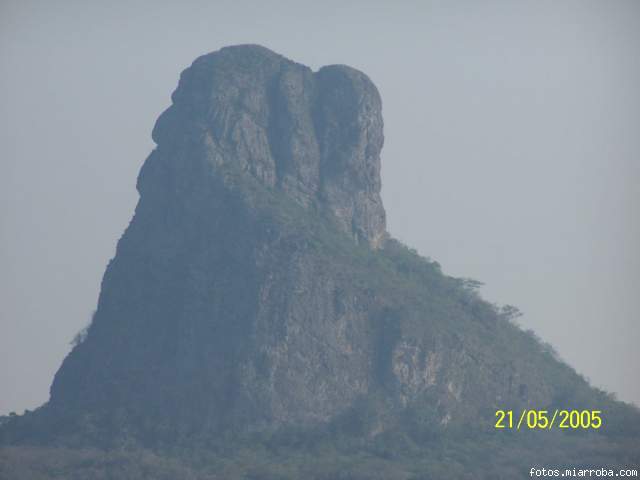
315	136
229	311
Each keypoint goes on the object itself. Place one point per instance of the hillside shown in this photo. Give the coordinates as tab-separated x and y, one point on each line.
258	321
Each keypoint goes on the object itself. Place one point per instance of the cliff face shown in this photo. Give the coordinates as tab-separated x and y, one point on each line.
212	313
256	287
315	136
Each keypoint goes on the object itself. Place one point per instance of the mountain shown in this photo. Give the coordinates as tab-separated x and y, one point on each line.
256	303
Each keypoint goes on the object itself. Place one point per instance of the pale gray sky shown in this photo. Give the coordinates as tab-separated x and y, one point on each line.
511	155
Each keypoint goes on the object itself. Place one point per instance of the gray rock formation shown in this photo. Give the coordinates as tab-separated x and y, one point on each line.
213	314
315	136
256	288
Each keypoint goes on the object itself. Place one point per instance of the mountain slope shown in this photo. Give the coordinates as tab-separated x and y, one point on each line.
256	297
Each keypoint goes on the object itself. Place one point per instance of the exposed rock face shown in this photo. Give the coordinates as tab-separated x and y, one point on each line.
256	287
211	314
315	136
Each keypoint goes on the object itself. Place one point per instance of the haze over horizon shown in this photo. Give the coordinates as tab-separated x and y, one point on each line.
510	156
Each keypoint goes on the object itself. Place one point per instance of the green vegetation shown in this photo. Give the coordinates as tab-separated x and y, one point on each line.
393	456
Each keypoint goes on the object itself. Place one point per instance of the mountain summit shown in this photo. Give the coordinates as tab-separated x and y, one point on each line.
256	291
314	136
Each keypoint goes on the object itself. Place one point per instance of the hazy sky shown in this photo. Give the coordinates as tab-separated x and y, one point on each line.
511	156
